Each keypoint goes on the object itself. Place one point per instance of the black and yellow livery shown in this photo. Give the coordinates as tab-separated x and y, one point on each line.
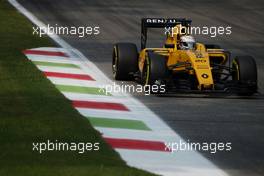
203	68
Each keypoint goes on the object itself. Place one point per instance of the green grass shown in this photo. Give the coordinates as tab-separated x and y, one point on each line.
33	110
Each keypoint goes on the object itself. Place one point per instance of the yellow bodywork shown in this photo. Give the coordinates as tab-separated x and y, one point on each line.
195	62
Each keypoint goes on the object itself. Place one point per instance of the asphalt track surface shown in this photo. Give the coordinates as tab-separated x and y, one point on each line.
195	118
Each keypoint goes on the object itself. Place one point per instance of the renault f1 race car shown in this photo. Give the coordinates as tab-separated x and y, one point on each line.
183	65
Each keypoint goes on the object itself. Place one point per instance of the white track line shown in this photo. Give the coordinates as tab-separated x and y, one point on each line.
73	82
61	70
48	58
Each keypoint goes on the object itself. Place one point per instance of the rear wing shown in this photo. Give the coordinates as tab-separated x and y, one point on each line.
159	23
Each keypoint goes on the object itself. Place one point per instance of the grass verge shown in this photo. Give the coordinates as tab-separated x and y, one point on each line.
33	110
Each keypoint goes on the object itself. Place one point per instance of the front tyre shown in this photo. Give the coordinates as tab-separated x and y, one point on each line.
155	72
124	61
245	74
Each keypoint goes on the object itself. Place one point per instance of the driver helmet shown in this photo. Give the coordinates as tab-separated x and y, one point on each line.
187	42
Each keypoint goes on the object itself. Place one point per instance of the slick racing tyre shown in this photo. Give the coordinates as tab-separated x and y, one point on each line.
245	74
155	71
124	61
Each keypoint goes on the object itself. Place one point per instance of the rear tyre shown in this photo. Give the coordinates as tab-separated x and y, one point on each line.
124	61
245	74
155	72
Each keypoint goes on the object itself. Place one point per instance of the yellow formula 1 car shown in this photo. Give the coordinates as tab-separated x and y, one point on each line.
183	64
